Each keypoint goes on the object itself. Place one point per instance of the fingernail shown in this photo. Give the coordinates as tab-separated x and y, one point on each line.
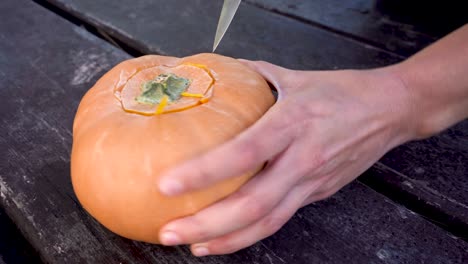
200	251
170	187
170	239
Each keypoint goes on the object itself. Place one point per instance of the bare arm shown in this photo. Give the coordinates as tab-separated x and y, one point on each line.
437	81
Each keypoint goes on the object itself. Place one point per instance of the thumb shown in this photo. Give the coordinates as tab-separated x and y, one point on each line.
278	76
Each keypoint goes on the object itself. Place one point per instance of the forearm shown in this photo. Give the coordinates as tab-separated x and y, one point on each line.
437	82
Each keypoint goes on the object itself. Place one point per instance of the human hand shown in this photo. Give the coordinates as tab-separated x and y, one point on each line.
324	131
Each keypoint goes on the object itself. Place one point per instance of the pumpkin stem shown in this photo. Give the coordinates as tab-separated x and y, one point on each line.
164	85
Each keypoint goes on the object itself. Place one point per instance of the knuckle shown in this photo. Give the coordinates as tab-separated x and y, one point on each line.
249	152
318	160
305	165
262	63
202	171
326	194
191	229
200	175
311	164
331	184
225	246
314	186
322	196
270	224
255	208
198	232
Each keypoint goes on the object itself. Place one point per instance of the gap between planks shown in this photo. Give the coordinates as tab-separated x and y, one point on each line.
408	200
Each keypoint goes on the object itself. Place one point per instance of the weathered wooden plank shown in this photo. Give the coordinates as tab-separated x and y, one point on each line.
436	171
157	26
403	27
419	196
13	247
46	65
184	27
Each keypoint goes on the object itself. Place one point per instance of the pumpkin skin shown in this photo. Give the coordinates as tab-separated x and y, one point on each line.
118	156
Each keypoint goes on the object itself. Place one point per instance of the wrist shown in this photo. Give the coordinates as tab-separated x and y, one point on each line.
432	109
398	104
436	83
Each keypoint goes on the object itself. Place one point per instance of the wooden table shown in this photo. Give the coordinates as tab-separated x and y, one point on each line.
410	207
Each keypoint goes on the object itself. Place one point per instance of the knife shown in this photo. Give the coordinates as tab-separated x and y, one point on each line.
227	14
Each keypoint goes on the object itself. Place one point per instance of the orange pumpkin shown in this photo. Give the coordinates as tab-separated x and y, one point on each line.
147	115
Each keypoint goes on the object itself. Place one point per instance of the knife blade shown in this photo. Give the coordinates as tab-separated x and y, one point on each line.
227	14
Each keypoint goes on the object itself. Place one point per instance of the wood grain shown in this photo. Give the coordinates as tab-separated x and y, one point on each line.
433	172
47	64
13	247
402	27
185	27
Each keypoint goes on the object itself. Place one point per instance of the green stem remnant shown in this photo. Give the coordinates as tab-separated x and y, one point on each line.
167	84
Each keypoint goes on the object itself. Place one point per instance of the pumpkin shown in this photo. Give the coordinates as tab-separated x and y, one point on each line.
147	115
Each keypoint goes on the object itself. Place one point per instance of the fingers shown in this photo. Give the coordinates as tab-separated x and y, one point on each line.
252	148
266	226
276	75
329	184
249	204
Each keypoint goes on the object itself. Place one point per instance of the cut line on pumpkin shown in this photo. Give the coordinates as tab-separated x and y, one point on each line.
165	107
